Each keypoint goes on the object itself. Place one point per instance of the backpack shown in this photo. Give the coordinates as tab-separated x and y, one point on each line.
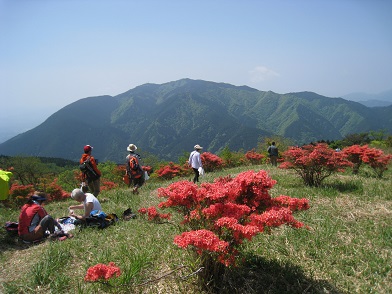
134	169
98	219
11	228
87	169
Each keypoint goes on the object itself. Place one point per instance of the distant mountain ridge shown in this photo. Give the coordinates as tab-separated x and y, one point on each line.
168	119
371	100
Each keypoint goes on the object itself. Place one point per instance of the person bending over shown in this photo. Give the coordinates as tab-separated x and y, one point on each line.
88	202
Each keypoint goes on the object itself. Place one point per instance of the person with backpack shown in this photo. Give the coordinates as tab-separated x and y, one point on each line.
273	154
90	172
34	221
134	169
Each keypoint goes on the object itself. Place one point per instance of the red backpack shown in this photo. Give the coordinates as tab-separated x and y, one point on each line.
134	170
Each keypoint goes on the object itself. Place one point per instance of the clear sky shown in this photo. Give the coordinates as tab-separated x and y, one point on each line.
54	52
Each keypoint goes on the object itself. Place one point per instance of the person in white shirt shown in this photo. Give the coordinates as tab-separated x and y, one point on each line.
195	161
88	202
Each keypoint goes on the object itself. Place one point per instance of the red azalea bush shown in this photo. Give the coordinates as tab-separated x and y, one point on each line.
253	157
354	155
21	190
53	190
169	171
218	216
20	193
314	163
374	157
211	162
377	160
102	271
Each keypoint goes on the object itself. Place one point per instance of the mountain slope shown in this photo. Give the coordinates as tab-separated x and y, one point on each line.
170	118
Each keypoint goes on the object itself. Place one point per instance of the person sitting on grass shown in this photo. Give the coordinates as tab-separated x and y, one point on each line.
34	221
88	202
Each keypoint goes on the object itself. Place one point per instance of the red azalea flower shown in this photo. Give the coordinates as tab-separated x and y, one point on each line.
102	272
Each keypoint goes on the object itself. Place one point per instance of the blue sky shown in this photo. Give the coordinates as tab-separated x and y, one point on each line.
53	52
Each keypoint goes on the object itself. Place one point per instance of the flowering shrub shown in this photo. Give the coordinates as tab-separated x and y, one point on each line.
211	162
354	155
377	160
54	191
314	163
169	171
253	157
218	216
153	214
102	271
21	190
20	193
374	157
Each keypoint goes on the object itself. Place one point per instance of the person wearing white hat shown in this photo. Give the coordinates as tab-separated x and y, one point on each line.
195	161
134	169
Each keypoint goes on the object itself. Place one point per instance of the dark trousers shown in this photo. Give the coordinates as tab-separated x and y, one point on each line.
196	178
274	160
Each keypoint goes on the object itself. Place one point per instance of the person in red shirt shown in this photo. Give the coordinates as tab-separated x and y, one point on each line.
34	221
93	180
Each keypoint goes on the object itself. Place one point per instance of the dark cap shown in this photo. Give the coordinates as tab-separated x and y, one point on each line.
38	198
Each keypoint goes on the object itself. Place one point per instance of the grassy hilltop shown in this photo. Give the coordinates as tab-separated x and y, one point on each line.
347	250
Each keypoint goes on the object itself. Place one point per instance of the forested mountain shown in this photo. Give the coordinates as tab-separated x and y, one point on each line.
170	118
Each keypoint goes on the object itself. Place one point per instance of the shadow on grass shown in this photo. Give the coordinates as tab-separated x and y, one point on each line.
344	187
12	243
259	275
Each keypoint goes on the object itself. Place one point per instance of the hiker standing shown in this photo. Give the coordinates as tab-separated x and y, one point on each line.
195	162
93	176
273	154
134	169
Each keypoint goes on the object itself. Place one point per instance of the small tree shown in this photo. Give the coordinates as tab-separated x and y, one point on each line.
218	217
314	163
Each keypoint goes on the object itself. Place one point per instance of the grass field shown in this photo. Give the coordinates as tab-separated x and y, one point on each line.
348	248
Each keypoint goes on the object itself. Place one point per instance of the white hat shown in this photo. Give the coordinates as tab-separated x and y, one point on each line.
131	148
197	147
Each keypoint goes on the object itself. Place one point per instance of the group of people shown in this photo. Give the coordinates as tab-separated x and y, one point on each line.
35	223
135	174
